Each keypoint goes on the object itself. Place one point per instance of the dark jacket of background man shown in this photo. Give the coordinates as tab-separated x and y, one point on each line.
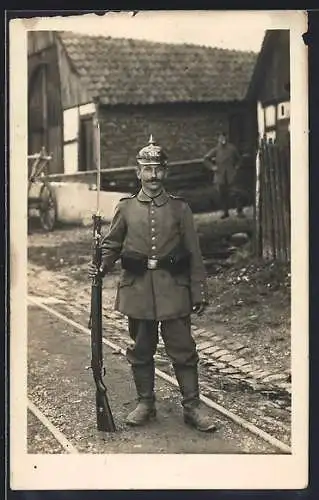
227	163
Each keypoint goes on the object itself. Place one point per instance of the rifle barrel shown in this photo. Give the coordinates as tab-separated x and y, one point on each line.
98	163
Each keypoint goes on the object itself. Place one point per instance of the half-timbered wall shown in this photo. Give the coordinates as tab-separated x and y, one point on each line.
273	98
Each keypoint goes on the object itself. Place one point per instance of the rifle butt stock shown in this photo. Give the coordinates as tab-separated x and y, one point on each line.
104	417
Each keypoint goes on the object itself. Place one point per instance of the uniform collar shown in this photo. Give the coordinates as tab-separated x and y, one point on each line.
159	200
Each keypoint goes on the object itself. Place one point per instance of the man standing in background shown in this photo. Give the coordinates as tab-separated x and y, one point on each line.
227	160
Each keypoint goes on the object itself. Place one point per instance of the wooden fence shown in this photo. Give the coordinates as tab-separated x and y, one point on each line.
273	201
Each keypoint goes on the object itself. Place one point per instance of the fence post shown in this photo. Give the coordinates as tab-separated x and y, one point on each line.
257	205
278	167
268	241
274	208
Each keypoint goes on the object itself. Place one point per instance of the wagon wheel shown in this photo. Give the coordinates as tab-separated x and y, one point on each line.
47	208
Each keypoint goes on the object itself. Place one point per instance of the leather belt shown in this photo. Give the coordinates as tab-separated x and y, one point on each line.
138	264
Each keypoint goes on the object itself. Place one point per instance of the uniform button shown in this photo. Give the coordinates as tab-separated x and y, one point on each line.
153	221
153	238
153	229
153	257
154	248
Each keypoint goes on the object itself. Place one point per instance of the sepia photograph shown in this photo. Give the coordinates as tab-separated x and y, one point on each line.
158	168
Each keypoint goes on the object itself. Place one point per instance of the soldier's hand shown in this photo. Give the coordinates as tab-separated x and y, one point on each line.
199	308
208	163
92	270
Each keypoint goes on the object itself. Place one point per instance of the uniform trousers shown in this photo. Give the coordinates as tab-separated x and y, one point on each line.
227	190
176	334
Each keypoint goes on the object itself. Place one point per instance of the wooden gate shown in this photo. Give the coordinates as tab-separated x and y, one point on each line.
273	201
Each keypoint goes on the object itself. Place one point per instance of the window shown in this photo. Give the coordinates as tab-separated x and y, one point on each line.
284	110
86	157
78	134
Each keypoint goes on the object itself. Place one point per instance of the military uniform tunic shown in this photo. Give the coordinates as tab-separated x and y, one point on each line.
227	158
154	227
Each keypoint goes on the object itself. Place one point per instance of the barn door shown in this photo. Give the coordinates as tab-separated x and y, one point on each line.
38	136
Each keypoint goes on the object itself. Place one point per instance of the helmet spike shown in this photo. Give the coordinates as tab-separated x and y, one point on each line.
151	139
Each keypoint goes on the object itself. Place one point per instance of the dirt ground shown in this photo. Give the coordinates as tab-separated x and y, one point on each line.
250	303
249	299
61	387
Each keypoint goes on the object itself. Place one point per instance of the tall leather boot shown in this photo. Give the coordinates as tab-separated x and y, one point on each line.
187	378
144	376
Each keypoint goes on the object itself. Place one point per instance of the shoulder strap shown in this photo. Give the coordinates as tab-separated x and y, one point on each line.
128	197
177	197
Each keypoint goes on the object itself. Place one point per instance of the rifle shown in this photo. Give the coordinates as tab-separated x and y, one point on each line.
104	415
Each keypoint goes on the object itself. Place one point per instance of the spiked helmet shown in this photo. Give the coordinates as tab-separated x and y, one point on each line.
152	154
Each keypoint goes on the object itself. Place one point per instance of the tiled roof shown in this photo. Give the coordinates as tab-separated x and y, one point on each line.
141	72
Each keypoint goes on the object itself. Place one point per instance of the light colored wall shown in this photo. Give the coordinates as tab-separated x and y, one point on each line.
77	203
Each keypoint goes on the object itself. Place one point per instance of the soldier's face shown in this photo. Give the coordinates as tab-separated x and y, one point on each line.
151	176
222	140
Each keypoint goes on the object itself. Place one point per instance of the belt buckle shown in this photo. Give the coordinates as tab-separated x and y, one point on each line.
152	263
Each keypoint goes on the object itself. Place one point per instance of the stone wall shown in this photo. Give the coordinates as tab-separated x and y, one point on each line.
186	131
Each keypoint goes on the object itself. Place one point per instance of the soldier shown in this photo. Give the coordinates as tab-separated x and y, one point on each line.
228	160
162	282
